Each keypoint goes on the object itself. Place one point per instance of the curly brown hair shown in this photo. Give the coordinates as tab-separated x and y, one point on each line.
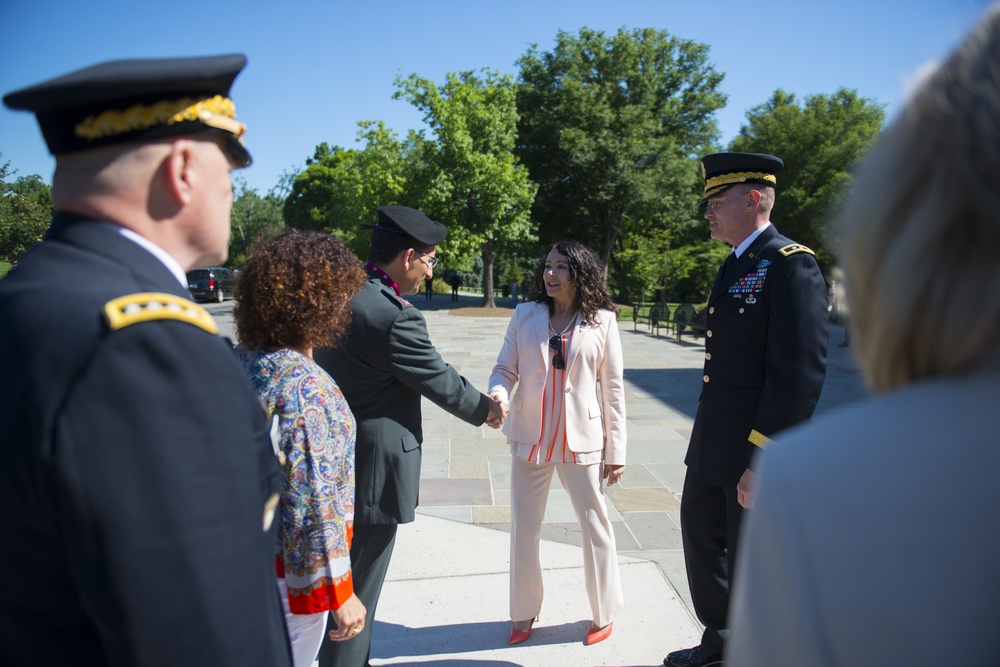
587	274
293	291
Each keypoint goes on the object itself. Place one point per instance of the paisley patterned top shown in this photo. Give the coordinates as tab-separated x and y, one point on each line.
316	437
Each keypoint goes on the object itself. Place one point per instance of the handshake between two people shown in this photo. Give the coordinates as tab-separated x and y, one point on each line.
498	412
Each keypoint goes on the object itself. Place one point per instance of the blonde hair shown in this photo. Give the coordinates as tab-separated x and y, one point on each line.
921	233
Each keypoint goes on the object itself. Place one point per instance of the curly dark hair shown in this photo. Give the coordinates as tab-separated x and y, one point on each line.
587	273
293	291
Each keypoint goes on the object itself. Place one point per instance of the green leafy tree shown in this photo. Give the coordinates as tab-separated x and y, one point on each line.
322	196
317	190
470	175
389	171
25	211
254	218
820	142
283	187
322	152
610	130
339	189
517	262
691	269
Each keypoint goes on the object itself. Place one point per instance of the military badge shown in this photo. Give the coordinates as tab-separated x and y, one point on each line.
793	248
751	283
270	507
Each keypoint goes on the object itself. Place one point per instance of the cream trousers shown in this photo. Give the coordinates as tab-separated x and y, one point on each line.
529	491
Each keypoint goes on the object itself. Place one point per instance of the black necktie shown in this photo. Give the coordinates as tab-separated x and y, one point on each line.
728	264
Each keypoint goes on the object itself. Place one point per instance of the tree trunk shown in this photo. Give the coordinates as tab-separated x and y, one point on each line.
621	280
609	244
610	237
243	236
488	301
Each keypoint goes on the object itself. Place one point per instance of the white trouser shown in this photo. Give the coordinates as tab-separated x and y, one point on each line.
305	631
529	491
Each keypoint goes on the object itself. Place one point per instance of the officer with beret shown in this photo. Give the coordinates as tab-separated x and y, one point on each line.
384	366
765	360
138	481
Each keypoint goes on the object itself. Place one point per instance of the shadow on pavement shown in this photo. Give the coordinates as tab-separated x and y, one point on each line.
459	663
394	640
676	387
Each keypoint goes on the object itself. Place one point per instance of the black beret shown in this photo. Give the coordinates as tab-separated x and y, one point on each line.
411	222
137	100
724	170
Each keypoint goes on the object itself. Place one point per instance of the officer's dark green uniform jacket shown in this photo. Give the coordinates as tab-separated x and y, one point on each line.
384	366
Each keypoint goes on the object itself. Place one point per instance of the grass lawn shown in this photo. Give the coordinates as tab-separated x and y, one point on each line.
4	268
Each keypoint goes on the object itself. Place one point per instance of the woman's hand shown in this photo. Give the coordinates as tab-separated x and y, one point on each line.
613	473
350	619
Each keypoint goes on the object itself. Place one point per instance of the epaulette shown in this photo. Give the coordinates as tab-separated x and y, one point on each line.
793	248
397	299
146	306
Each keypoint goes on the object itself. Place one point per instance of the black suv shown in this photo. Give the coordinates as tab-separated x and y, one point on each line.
214	283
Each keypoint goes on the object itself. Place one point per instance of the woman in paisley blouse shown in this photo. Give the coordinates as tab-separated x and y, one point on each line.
291	295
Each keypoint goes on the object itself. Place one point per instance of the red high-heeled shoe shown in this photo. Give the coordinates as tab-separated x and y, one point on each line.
518	636
595	635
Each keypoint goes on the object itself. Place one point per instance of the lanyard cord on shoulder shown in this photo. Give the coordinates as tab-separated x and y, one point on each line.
385	276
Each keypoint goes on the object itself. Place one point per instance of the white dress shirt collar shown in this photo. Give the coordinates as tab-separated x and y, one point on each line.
159	253
739	250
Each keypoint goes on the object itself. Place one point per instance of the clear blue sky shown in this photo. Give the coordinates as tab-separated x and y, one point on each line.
317	68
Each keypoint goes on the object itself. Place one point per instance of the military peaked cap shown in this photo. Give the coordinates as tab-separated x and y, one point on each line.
411	222
724	170
137	100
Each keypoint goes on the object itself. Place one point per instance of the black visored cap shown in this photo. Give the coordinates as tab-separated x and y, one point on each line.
137	100
411	222
724	170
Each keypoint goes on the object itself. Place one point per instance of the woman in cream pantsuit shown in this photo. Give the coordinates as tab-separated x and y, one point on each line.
567	415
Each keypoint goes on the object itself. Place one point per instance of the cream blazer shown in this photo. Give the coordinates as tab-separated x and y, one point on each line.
595	393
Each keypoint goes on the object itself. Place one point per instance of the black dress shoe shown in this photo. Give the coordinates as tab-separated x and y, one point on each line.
693	657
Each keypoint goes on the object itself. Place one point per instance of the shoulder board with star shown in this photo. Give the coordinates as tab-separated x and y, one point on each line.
149	306
793	248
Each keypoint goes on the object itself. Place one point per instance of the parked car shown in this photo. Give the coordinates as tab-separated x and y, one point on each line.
214	283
